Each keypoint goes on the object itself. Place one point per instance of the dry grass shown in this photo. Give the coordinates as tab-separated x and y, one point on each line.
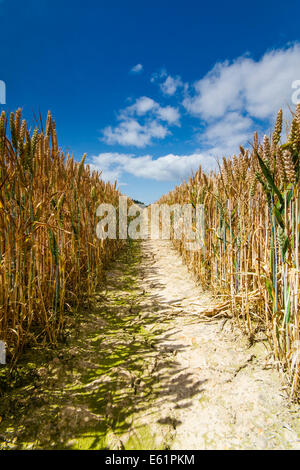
251	250
49	254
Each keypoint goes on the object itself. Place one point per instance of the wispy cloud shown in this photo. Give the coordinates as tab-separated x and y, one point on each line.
230	102
165	168
258	88
167	84
169	114
141	106
130	132
158	75
225	135
170	85
235	98
154	125
145	105
138	68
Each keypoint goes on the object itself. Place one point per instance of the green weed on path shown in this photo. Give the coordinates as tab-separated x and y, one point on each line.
85	394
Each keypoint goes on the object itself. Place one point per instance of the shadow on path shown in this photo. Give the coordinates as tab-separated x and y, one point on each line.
118	365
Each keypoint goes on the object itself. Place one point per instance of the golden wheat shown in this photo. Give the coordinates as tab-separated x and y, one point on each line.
49	254
251	251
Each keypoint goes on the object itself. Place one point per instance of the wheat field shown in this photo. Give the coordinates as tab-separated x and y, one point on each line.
50	258
250	257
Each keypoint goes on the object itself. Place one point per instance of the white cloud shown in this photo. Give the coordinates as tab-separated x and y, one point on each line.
142	106
231	101
169	114
166	168
259	88
108	164
130	132
137	68
170	85
236	98
224	136
157	75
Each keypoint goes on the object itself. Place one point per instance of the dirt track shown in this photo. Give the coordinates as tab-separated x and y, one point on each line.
234	399
143	370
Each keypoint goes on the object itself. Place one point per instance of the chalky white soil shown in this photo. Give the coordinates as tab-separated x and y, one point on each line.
221	393
142	368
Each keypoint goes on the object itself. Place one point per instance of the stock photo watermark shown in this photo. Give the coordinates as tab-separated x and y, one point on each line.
161	221
296	94
2	353
2	92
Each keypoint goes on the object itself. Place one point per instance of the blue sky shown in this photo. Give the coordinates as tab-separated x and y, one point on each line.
150	90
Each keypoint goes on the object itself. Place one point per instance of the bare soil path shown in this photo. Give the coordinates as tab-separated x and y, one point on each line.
142	369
